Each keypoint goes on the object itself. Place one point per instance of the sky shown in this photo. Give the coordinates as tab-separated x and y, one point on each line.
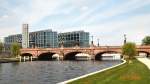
106	20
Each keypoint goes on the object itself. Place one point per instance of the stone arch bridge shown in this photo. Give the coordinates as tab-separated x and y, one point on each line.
65	52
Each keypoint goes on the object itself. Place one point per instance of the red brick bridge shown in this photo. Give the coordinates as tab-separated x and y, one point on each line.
69	53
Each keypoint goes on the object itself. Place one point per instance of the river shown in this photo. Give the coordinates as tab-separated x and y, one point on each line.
48	72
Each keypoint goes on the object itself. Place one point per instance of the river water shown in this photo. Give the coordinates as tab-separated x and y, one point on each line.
48	72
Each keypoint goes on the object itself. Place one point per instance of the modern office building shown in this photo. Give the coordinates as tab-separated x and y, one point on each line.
71	39
40	39
43	39
11	39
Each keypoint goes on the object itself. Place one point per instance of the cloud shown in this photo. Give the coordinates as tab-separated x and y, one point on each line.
94	16
115	10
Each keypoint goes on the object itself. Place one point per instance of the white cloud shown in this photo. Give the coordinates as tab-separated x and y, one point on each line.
135	28
118	9
87	13
110	32
41	9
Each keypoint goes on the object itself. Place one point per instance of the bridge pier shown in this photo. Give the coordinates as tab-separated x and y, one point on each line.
92	57
20	58
24	59
31	58
60	58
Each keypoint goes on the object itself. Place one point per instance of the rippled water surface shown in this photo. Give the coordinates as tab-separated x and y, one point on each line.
48	72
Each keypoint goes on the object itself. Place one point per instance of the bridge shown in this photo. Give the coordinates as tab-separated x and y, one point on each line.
95	53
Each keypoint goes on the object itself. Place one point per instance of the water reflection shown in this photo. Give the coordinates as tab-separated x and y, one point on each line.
48	72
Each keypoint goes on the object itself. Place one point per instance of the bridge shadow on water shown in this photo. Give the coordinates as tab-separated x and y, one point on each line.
45	57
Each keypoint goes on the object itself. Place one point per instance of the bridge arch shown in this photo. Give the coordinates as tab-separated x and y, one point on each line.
143	53
26	54
71	55
98	56
46	56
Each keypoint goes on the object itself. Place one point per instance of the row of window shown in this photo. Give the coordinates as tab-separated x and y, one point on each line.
46	38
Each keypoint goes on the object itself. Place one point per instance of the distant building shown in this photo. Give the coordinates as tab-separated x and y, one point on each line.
11	39
43	39
71	39
25	36
40	39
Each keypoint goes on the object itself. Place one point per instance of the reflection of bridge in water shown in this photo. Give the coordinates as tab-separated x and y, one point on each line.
95	53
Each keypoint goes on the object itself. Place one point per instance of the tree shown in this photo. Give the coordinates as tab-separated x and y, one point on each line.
1	47
15	49
129	50
146	40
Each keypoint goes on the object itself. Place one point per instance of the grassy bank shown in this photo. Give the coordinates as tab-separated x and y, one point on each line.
6	60
134	73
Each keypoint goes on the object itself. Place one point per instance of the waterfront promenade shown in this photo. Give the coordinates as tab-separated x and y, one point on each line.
128	73
145	60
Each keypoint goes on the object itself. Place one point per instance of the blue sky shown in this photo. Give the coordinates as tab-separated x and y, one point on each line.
107	20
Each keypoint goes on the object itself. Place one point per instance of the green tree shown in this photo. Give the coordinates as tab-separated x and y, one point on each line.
146	40
129	50
1	47
15	49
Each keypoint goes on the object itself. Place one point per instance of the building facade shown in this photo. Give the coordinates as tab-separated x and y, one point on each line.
71	39
11	39
25	36
43	39
40	39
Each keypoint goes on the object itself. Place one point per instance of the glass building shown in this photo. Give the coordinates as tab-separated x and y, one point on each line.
11	39
71	39
43	39
40	39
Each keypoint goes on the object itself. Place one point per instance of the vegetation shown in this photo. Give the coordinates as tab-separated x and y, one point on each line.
134	73
15	49
129	50
1	47
146	40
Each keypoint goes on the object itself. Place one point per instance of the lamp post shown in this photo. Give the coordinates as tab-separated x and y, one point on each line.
98	42
125	39
92	39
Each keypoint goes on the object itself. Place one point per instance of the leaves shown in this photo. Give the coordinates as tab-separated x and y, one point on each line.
129	49
15	49
1	47
146	40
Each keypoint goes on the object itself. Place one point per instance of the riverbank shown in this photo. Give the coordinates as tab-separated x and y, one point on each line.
84	76
7	60
146	61
133	73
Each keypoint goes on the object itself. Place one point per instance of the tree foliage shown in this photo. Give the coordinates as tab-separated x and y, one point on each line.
129	49
146	40
15	49
1	47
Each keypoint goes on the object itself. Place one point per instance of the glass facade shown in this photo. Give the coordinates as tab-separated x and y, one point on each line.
41	39
11	39
71	39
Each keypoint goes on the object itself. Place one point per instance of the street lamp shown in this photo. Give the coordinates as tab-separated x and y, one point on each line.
125	39
98	42
92	40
